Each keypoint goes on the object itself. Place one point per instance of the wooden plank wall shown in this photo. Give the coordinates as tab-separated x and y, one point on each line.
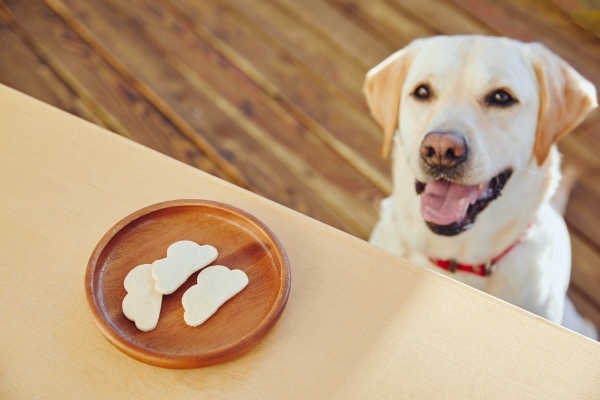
267	93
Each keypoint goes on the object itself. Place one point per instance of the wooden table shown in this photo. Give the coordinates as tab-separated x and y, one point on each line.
360	322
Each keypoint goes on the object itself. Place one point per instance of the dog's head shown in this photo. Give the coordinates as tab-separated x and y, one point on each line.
468	111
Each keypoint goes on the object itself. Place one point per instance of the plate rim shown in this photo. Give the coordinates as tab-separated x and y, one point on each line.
216	356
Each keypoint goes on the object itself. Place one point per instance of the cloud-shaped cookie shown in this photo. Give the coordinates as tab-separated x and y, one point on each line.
142	302
183	259
216	285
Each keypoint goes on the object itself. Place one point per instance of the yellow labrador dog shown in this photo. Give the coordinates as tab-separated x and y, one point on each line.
474	121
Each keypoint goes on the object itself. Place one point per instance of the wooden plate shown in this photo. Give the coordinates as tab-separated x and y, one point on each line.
243	242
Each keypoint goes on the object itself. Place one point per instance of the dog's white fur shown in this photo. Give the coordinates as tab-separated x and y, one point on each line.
552	99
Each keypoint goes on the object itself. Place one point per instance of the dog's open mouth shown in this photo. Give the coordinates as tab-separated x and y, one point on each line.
451	208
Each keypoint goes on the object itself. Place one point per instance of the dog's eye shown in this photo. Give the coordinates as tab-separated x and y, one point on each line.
500	98
422	92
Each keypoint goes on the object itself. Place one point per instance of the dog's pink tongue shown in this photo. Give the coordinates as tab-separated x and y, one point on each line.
444	203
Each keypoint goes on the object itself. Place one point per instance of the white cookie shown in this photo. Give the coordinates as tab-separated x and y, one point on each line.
142	302
216	285
183	259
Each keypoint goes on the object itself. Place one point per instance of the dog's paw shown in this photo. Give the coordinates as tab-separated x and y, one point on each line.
216	285
142	302
183	259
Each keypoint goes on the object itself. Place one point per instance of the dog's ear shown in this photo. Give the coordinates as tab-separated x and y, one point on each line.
382	89
565	98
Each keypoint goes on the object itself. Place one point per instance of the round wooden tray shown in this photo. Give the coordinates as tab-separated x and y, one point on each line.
243	242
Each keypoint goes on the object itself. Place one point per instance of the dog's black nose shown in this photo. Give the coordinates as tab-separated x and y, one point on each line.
443	149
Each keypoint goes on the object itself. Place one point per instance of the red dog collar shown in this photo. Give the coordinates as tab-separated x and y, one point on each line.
478	269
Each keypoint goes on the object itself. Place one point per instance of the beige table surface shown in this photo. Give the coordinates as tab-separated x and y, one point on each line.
360	322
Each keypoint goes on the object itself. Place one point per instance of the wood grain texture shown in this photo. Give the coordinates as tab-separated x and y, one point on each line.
261	116
111	97
443	17
548	18
331	118
359	323
520	24
397	29
243	242
182	125
21	68
224	97
584	13
275	24
585	275
591	128
332	26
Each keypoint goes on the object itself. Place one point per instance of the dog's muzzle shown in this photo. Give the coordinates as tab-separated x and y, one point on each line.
448	206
